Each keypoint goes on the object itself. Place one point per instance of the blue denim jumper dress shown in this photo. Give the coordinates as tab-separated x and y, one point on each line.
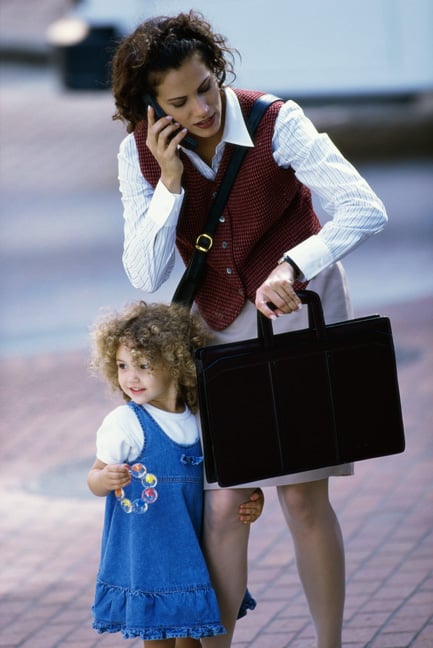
153	581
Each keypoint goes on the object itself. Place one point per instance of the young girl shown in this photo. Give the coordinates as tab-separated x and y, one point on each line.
153	581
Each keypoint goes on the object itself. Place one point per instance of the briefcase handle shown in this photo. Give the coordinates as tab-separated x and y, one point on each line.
316	320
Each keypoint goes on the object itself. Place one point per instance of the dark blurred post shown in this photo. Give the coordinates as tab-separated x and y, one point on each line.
83	52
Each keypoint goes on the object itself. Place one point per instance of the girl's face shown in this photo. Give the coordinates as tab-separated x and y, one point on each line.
192	97
145	385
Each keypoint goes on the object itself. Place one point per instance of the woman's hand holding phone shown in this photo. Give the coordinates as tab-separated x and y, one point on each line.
187	140
162	141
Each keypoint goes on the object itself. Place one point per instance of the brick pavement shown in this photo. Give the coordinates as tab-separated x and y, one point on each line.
50	525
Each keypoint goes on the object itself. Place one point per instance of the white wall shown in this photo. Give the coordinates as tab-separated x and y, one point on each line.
309	47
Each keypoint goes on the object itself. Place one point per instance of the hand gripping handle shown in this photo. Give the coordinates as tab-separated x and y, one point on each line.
316	320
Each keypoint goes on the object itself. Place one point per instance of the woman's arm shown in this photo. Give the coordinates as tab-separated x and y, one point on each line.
150	218
354	209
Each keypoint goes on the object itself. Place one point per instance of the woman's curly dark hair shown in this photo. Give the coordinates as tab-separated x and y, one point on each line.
156	46
166	335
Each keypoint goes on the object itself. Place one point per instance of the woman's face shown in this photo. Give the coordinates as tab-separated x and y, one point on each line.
192	97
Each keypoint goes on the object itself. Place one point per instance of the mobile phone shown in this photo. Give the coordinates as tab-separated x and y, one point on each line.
188	141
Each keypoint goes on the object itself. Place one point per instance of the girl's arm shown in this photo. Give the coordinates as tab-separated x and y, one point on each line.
104	478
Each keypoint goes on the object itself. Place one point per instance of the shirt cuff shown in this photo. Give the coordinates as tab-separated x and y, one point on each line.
311	256
165	206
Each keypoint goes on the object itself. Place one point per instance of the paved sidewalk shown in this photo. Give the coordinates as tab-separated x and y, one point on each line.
50	525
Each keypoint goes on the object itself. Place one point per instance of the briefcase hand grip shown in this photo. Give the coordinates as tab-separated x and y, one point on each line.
316	320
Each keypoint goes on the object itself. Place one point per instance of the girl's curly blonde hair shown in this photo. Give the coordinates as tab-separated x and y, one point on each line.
166	335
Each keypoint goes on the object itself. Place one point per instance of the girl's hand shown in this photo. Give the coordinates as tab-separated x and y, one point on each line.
104	478
162	143
252	509
115	476
277	291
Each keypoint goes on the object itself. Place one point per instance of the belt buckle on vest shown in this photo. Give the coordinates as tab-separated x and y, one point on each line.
203	245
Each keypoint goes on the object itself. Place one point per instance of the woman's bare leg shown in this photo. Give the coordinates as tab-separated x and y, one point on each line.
225	541
319	554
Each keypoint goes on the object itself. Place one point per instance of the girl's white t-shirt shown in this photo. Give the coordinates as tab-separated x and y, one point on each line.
120	437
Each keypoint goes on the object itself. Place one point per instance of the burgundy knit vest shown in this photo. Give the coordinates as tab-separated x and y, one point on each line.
268	212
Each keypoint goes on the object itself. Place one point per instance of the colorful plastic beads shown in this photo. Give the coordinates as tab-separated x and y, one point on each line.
148	496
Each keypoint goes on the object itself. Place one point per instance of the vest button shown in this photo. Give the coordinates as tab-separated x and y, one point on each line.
241	292
222	219
224	245
229	270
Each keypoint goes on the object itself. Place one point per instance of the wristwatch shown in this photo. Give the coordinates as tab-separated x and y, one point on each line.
290	261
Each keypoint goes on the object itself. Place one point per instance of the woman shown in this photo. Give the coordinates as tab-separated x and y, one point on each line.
268	244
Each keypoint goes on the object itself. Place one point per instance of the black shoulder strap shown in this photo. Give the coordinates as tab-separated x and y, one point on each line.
188	285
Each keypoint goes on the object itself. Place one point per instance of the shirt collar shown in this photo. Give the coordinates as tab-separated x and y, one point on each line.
235	130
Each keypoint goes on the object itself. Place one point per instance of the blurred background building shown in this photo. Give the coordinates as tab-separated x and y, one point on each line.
306	49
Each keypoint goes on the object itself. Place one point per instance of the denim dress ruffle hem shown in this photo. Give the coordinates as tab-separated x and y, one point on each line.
153	581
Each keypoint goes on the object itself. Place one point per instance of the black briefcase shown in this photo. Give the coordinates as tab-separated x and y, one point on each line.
285	403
